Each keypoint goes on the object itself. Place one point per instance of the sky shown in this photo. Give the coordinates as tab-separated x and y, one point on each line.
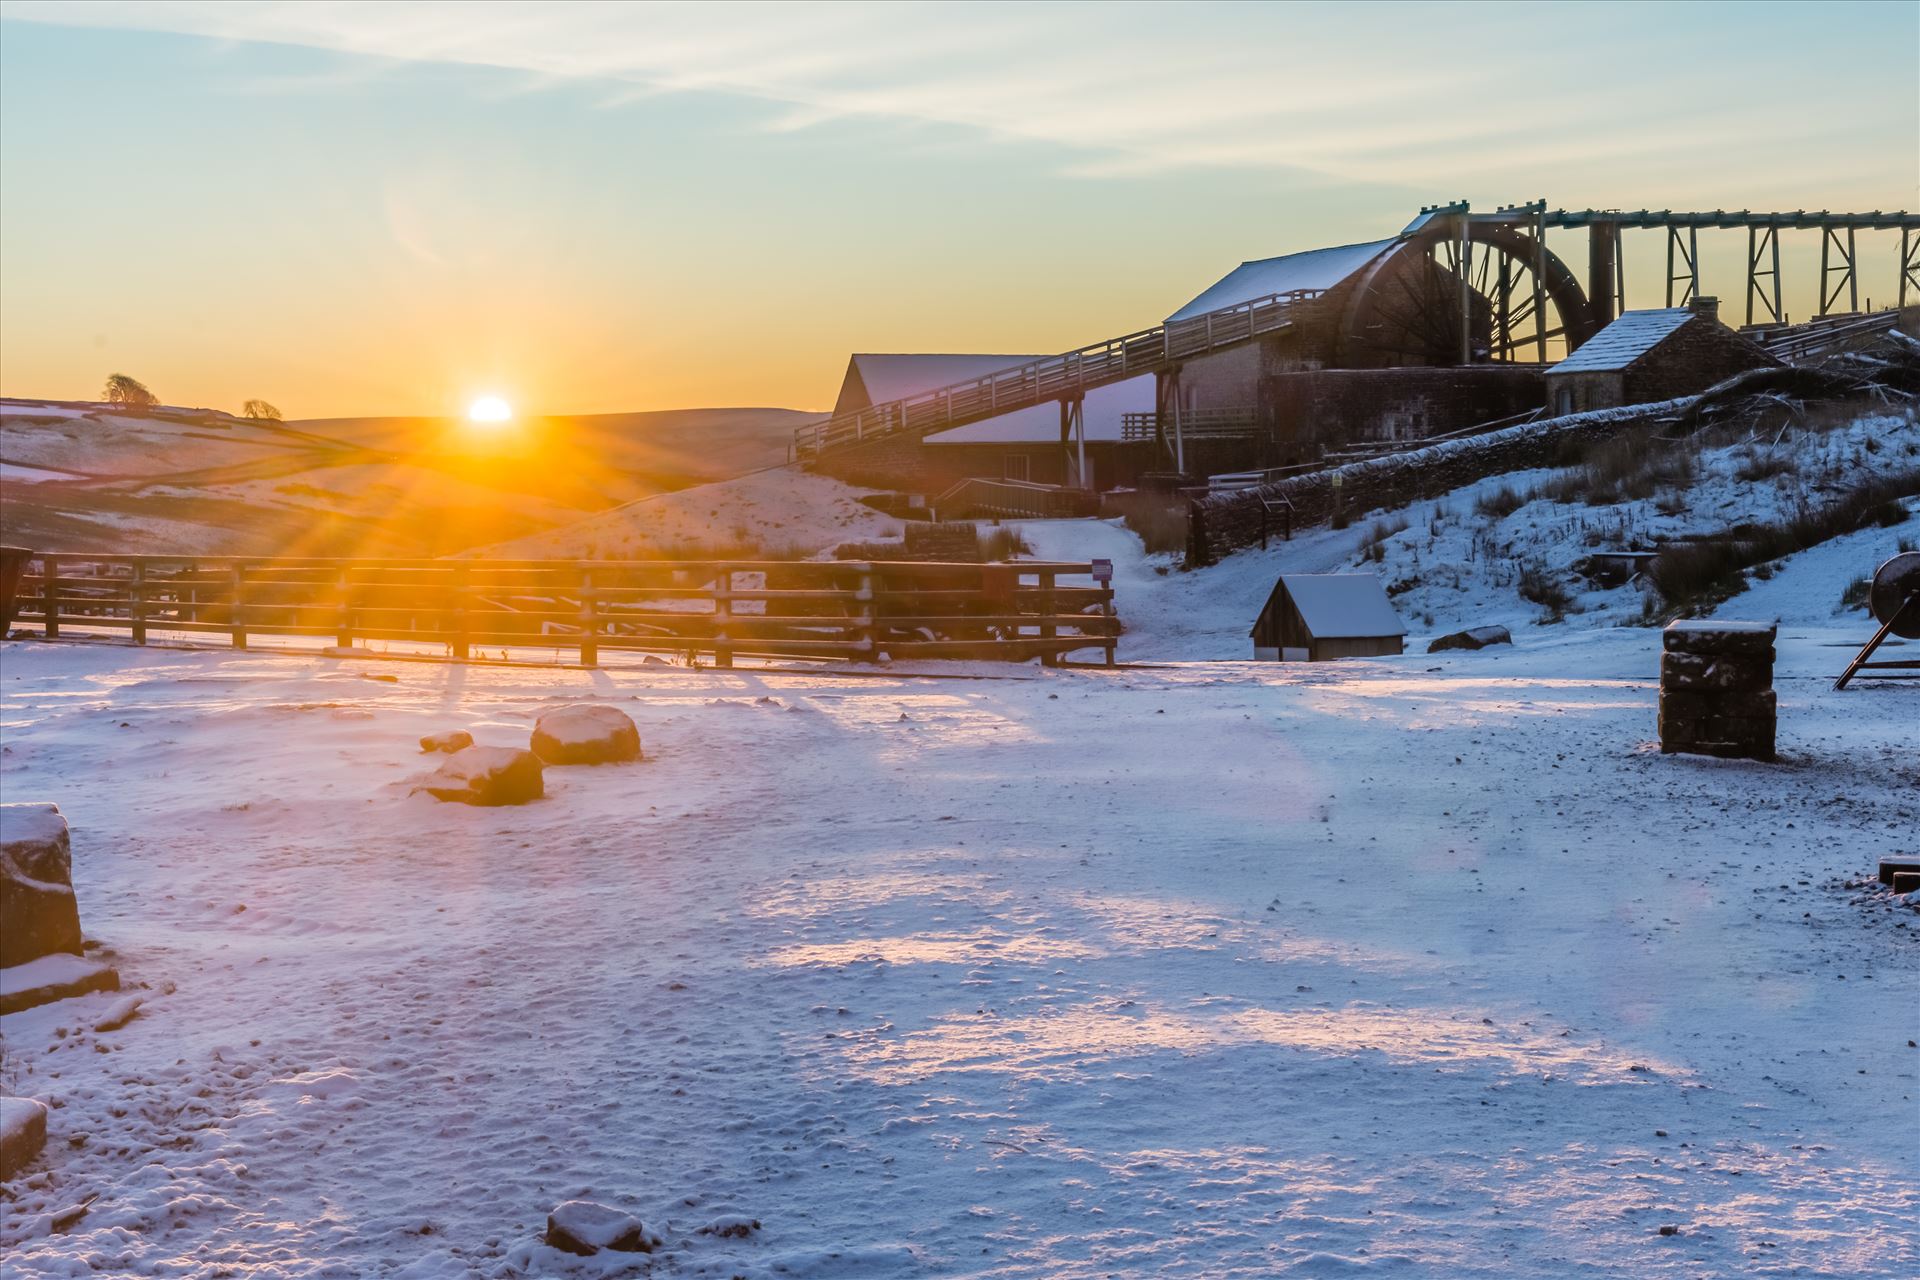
355	209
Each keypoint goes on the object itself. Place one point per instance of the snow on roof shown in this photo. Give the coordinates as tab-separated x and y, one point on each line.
1041	424
1313	269
1343	605
1625	340
895	377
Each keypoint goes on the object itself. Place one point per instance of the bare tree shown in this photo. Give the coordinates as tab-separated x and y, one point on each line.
122	389
260	409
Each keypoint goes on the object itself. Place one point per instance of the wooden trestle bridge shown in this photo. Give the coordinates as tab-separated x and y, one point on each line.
1499	295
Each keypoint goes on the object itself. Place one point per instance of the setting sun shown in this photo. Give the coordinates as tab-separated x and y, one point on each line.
489	409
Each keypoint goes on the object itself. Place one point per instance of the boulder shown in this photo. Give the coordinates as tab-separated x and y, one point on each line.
50	978
23	1132
38	913
585	1228
586	734
1472	638
487	776
451	741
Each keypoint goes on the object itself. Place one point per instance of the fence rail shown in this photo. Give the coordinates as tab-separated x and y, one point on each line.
848	609
1063	377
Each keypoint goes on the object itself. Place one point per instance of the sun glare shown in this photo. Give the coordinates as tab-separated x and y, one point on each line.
488	410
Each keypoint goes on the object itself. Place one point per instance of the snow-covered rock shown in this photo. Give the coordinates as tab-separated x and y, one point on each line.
23	1132
451	741
586	734
53	977
119	1014
488	776
38	914
585	1227
1472	638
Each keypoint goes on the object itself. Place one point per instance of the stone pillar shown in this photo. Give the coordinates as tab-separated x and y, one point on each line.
1716	689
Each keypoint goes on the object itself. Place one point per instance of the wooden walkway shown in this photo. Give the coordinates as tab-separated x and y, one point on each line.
1068	376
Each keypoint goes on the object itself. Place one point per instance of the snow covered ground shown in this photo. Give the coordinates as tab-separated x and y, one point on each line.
1431	966
779	510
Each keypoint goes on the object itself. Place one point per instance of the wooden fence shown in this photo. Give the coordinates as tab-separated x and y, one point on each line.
852	610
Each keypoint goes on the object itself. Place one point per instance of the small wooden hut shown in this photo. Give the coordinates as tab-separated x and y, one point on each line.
1317	617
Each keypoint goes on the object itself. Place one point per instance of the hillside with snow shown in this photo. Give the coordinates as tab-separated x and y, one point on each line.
87	477
1474	556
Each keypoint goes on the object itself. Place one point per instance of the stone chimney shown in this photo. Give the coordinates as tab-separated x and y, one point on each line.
1708	307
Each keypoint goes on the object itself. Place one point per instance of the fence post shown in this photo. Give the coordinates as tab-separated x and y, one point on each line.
238	619
461	647
589	623
137	602
1111	627
722	615
345	637
50	597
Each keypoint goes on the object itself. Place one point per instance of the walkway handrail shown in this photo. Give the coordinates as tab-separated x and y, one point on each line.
1063	377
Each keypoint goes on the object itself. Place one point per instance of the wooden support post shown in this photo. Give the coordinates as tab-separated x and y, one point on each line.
589	620
1826	239
462	646
867	622
237	615
137	602
1853	275
50	597
344	633
1778	313
722	615
1048	631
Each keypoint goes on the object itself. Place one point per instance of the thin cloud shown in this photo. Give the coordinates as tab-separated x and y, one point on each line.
1407	94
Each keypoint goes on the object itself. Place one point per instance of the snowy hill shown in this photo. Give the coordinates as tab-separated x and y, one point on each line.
90	477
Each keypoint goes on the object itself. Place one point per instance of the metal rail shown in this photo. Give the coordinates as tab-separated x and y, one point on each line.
1800	219
1798	342
1065	377
1194	424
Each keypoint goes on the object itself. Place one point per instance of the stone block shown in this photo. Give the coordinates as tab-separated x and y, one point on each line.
38	913
1716	673
23	1134
1694	636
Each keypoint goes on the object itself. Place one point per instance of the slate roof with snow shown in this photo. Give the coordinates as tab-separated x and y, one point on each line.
1625	340
1313	269
893	377
897	376
1338	606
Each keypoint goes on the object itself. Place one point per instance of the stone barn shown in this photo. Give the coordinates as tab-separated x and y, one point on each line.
1652	355
1318	617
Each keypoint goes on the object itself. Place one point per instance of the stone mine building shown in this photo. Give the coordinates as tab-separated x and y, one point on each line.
1652	355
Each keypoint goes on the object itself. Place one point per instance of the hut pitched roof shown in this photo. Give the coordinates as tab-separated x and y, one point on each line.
1338	606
